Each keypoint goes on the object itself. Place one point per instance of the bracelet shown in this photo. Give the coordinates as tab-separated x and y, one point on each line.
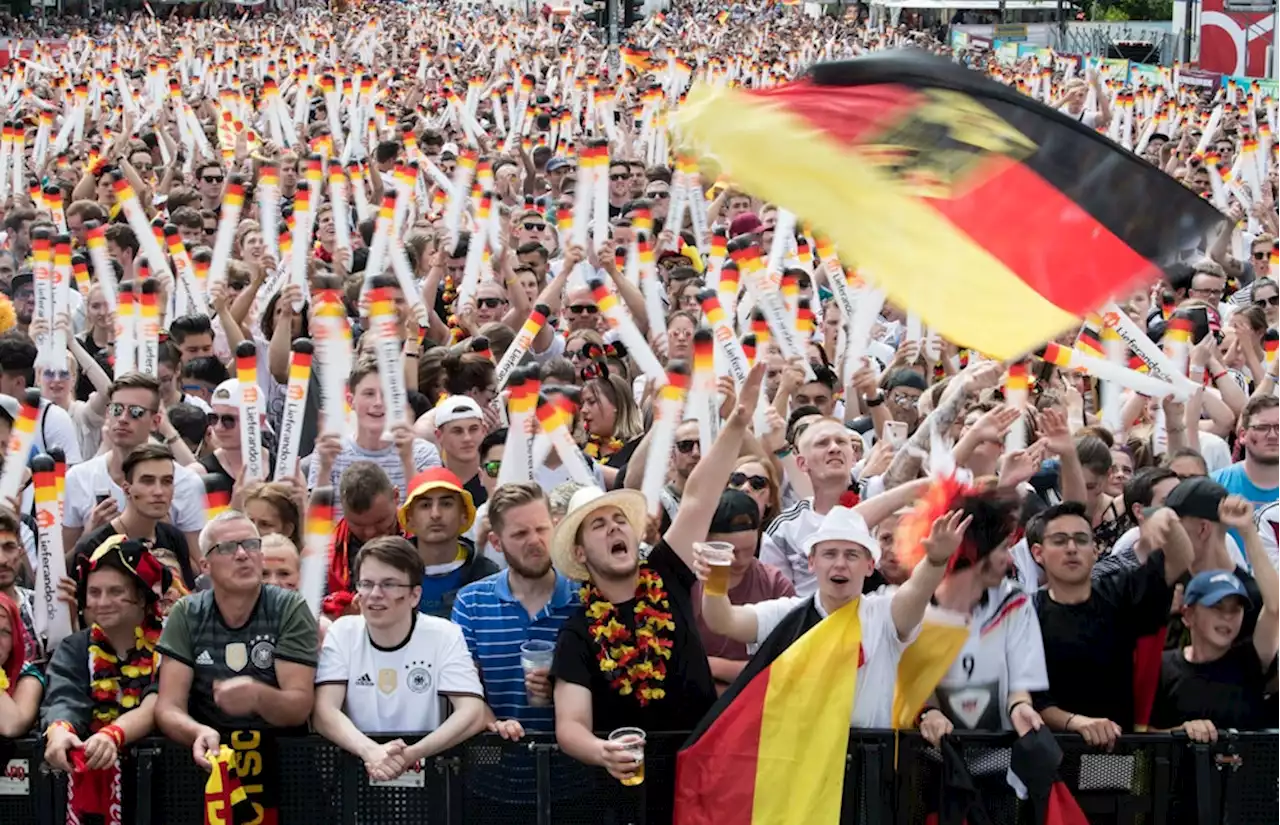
411	355
1015	704
115	733
1067	727
782	453
1219	376
61	723
876	401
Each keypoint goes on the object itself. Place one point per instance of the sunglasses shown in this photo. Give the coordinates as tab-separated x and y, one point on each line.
584	309
491	468
56	375
490	303
535	227
662	195
688	446
137	412
756	483
1274	300
227	421
619	177
212	179
1261	255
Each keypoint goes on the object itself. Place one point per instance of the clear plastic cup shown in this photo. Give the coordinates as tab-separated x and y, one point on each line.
536	654
633	739
719	557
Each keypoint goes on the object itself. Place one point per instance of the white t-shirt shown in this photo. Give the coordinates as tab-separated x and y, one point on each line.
881	650
54	428
1087	118
782	545
1004	653
1268	520
85	482
390	691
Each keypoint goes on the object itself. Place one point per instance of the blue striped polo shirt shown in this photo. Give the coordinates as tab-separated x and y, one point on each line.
495	624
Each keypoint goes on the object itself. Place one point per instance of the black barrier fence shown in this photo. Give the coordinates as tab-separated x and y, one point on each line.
889	780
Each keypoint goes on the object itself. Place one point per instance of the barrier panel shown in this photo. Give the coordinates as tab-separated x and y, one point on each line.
1155	779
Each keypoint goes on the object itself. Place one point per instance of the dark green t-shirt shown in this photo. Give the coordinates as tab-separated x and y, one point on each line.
280	627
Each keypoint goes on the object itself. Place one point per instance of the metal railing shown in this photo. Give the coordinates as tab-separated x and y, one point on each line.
1153	779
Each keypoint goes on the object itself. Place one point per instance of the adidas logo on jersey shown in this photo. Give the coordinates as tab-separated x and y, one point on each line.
364	681
204	658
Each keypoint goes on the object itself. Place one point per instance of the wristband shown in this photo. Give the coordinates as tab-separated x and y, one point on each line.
1015	704
876	401
61	723
1067	726
115	733
1217	377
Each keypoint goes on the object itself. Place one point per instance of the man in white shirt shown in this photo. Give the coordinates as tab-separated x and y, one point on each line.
842	553
387	669
93	492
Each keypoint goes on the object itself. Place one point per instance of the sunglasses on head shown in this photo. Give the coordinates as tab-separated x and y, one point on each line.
756	483
137	412
581	309
227	421
490	303
1274	300
688	445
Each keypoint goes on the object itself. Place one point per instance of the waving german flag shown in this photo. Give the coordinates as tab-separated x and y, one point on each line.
1000	221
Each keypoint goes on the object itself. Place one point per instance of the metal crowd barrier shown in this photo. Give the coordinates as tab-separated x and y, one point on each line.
1155	779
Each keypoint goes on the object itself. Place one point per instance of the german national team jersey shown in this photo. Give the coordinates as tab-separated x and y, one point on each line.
1004	654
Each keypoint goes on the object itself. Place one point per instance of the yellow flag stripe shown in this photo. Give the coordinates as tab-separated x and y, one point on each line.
918	257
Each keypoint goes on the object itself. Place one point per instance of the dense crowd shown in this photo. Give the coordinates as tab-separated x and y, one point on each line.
393	378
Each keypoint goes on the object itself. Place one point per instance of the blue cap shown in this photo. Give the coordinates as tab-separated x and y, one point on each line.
1213	586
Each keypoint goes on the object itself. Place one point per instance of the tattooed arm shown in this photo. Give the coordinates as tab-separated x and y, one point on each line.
906	464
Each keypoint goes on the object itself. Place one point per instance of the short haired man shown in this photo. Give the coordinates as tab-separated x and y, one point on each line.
93	492
437	513
241	656
1091	627
460	429
527	601
193	336
148	485
12	562
1257	477
385	670
370	510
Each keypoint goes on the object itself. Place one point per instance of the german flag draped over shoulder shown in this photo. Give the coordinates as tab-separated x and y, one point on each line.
999	220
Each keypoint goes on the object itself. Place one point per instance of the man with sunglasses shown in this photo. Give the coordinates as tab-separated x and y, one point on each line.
619	187
209	179
94	492
238	657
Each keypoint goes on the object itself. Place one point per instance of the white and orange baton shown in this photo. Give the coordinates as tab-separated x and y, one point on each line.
103	271
517	457
317	547
295	407
381	238
1140	344
722	332
556	422
189	297
42	286
250	412
333	353
389	350
302	215
1067	358
228	221
149	328
621	322
341	209
1016	393
127	323
702	392
523	340
21	437
269	207
667	417
52	617
127	200
62	275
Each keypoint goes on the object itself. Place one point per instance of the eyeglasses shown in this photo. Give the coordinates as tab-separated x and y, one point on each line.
137	412
227	421
1264	429
1081	540
211	178
229	548
491	303
688	446
56	375
1274	300
756	483
364	587
1206	293
903	400
584	309
535	227
491	468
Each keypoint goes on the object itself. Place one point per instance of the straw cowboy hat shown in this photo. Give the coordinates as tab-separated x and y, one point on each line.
585	502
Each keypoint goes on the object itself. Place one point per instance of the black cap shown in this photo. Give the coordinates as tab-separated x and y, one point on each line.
1196	497
24	277
736	513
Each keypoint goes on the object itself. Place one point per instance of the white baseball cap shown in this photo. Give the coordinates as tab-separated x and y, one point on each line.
228	392
457	408
843	524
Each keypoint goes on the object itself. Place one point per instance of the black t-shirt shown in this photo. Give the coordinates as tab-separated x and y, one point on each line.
84	387
621	459
479	495
1228	692
1179	637
169	540
1088	647
690	690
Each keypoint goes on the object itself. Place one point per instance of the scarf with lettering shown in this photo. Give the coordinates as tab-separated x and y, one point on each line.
244	785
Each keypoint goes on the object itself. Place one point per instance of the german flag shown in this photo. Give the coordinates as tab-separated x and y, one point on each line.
904	159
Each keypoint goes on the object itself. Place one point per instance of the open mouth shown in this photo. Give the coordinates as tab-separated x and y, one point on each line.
618	548
839	579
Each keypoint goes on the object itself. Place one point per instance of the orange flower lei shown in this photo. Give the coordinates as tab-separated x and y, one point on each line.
117	687
602	448
633	668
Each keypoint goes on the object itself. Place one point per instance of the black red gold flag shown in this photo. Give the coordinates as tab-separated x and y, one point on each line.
999	220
